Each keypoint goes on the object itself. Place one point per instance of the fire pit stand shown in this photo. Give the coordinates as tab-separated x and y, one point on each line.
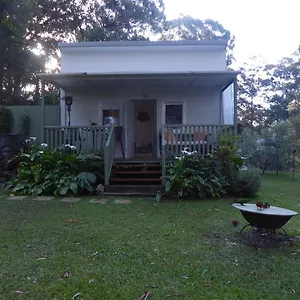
270	218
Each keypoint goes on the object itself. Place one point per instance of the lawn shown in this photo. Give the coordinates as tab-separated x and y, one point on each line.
118	251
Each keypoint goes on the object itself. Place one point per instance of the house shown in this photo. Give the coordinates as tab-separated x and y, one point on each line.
141	101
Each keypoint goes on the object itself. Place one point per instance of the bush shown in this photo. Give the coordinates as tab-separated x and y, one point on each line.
6	120
94	164
43	171
246	184
227	156
24	124
193	176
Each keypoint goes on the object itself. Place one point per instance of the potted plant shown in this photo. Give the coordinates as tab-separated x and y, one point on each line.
9	143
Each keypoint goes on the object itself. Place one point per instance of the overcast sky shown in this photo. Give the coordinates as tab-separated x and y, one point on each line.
267	28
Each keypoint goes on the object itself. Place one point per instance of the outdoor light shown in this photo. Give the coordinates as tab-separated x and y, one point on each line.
68	101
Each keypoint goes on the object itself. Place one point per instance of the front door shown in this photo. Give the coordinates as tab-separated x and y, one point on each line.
144	128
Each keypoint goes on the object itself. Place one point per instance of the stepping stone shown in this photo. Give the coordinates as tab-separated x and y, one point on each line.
70	200
122	201
98	201
43	198
16	198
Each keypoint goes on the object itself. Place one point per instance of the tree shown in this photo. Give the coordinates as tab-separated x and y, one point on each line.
26	25
116	20
15	57
188	28
251	113
283	86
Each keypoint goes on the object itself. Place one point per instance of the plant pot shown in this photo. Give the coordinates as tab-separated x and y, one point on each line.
10	145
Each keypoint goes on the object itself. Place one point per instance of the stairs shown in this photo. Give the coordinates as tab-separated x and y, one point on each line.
135	178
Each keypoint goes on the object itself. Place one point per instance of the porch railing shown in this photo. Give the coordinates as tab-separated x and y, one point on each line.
85	138
200	138
109	154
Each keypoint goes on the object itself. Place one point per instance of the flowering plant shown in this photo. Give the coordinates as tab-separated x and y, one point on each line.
50	171
194	176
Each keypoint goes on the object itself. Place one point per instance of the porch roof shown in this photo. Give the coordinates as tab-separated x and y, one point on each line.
97	80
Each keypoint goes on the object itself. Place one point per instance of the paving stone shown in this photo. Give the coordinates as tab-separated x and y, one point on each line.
16	198
43	198
70	200
98	201
122	201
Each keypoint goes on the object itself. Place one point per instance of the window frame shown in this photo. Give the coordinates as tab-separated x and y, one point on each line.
164	110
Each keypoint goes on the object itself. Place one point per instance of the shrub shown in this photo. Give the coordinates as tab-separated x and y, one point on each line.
193	176
94	164
227	156
24	124
246	184
43	171
6	120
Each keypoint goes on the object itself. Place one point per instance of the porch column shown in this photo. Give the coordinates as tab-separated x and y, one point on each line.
43	112
235	87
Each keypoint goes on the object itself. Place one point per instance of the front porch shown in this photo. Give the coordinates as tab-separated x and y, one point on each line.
139	119
142	170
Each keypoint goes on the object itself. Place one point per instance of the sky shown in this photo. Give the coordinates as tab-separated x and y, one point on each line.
269	29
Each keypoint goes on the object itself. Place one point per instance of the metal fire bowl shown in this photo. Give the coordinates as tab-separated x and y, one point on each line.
266	218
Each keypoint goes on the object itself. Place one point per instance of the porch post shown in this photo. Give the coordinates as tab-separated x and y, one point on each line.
163	155
235	87
43	112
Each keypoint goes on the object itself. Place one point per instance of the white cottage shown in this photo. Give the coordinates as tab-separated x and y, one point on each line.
159	96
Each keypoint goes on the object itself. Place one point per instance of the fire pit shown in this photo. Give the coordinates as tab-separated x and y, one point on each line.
266	218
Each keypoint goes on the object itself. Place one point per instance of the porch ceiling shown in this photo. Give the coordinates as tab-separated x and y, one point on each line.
192	79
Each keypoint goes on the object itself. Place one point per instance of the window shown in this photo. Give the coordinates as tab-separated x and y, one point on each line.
111	117
228	106
174	114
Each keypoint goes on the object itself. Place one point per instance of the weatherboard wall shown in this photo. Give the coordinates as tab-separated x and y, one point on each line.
143	60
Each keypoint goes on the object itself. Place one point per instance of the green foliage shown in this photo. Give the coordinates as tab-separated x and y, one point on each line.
6	120
274	148
226	154
43	171
94	164
24	124
189	28
194	176
246	184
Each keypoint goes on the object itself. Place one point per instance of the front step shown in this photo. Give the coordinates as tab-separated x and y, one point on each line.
136	173
133	190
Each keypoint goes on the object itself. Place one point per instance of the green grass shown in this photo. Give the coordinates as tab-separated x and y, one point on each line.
115	251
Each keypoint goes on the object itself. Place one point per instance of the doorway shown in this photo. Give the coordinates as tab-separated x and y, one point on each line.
144	128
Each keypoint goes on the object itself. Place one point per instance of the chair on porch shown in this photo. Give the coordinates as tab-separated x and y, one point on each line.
199	141
169	138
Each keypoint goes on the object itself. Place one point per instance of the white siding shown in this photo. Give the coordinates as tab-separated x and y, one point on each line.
113	60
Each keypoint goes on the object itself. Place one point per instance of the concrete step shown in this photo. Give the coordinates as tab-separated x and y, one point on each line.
133	190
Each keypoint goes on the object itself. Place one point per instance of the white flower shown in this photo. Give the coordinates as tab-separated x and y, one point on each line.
33	138
44	145
178	157
41	152
73	147
67	145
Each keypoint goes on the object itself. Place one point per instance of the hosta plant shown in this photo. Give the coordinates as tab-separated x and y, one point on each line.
44	171
194	176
